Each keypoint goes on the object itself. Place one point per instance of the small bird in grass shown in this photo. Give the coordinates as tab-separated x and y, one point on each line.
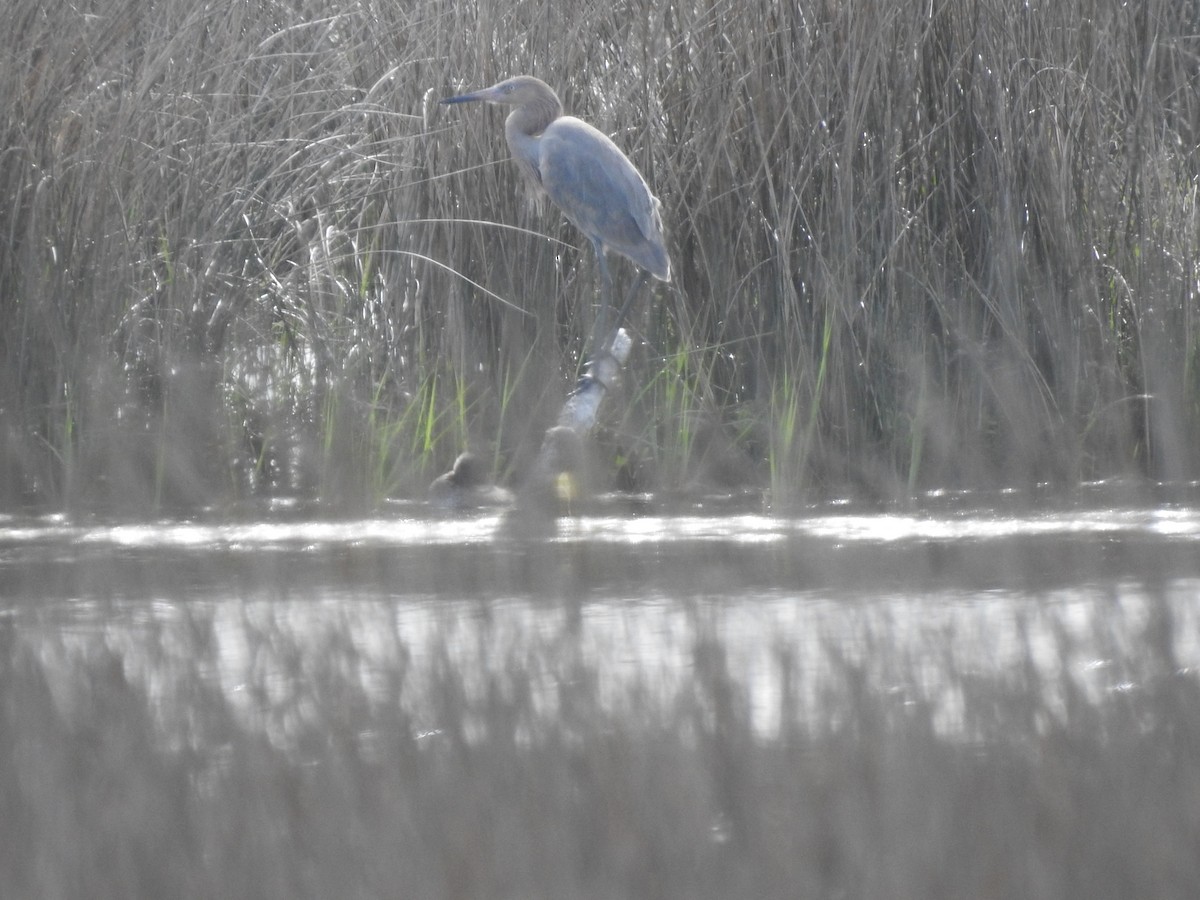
588	177
467	486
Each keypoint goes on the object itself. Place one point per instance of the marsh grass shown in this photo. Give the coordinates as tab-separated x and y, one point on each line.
918	244
272	749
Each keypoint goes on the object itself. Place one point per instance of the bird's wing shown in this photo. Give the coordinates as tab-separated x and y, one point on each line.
597	187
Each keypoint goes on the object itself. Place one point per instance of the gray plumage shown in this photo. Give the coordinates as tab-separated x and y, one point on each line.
586	176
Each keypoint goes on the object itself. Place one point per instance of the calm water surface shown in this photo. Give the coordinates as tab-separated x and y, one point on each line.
631	597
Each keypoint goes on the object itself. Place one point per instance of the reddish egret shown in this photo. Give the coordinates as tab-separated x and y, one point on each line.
589	179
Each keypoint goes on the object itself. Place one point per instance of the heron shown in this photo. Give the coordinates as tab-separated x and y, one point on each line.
586	176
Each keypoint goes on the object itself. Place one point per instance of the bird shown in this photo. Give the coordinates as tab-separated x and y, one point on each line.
467	486
586	176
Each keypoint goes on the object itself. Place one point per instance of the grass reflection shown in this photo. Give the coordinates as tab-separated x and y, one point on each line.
371	748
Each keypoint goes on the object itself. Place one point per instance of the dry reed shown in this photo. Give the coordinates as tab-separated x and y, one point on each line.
917	244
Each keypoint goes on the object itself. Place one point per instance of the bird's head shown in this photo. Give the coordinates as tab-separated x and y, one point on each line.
469	471
517	91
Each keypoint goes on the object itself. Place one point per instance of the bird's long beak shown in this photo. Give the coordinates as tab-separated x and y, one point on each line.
485	94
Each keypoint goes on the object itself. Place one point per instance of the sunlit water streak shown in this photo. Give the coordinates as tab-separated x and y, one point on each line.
630	599
1183	524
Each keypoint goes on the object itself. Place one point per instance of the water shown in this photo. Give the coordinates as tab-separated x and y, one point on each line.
966	701
410	554
629	597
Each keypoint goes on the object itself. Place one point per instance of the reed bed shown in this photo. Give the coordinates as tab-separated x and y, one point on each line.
917	244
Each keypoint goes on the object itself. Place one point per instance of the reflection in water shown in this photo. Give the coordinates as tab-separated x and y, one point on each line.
417	528
265	650
686	706
629	599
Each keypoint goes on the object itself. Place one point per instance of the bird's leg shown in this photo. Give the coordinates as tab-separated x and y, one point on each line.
600	328
603	336
634	289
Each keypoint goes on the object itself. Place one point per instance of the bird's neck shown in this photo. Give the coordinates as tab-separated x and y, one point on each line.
531	118
522	129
